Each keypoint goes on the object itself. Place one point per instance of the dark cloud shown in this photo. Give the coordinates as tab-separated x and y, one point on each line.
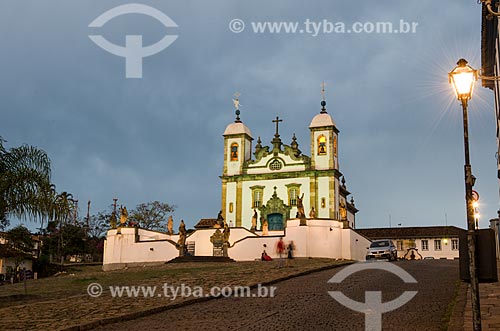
160	137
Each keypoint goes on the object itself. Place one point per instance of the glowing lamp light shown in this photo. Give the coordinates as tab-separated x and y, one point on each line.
475	204
463	78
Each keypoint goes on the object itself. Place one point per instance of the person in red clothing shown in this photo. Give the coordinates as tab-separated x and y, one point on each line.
264	256
280	249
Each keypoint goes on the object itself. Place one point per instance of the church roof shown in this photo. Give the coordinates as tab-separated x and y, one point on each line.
237	128
321	120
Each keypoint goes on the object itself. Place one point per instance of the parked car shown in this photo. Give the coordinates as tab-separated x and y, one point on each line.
382	249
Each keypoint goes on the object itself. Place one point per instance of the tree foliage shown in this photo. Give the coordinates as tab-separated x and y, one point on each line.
20	243
99	224
151	215
25	188
24	181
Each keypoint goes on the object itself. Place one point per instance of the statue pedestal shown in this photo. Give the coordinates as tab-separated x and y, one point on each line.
182	250
303	221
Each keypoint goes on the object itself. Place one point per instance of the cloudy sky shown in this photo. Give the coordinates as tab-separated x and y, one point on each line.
160	137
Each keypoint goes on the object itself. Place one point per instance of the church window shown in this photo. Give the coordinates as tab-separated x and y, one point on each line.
275	165
321	145
257	194
234	152
293	193
335	146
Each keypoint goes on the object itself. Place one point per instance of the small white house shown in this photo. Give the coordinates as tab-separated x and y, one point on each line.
438	242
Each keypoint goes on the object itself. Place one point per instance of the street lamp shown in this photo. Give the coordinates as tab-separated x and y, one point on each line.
463	78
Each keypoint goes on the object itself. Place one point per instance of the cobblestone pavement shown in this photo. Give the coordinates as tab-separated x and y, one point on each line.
489	299
303	303
59	303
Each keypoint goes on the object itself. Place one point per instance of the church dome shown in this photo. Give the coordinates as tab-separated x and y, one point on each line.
321	120
237	128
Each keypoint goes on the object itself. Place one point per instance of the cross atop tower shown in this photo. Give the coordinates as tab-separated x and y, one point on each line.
277	121
323	101
236	103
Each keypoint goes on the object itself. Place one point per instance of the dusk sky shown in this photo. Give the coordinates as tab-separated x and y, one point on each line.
159	137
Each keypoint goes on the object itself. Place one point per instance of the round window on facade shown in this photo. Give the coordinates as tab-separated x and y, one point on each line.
275	165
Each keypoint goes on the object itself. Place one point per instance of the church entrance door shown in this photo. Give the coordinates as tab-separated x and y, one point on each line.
275	221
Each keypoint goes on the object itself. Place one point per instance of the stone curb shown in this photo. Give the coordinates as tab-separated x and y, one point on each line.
155	310
456	322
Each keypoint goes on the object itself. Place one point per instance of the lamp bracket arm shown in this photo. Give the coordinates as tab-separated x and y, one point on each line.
493	78
487	3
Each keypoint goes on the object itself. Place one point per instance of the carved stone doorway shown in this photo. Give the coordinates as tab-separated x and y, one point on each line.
276	212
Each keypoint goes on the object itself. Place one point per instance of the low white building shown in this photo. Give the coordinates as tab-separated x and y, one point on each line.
316	238
437	242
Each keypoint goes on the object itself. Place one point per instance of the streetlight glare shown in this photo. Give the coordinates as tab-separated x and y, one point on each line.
463	78
475	204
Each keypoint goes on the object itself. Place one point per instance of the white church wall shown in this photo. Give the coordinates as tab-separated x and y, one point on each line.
318	239
248	149
121	250
358	245
230	198
289	165
251	248
145	235
203	245
323	192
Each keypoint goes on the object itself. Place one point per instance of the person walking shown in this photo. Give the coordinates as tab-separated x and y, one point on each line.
290	252
280	249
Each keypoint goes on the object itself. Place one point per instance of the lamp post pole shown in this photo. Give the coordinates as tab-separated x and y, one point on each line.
471	240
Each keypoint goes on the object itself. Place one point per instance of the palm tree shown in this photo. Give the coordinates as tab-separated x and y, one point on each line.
24	182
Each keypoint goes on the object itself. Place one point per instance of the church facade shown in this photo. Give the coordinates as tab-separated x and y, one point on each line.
274	180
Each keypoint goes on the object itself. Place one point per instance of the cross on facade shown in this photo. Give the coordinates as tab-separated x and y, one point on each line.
277	121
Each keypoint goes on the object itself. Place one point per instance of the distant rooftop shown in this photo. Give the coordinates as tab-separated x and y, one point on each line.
411	232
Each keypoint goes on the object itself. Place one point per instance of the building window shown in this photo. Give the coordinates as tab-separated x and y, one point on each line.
335	146
257	194
425	245
231	207
321	145
454	244
293	193
275	165
234	152
412	243
400	245
437	244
